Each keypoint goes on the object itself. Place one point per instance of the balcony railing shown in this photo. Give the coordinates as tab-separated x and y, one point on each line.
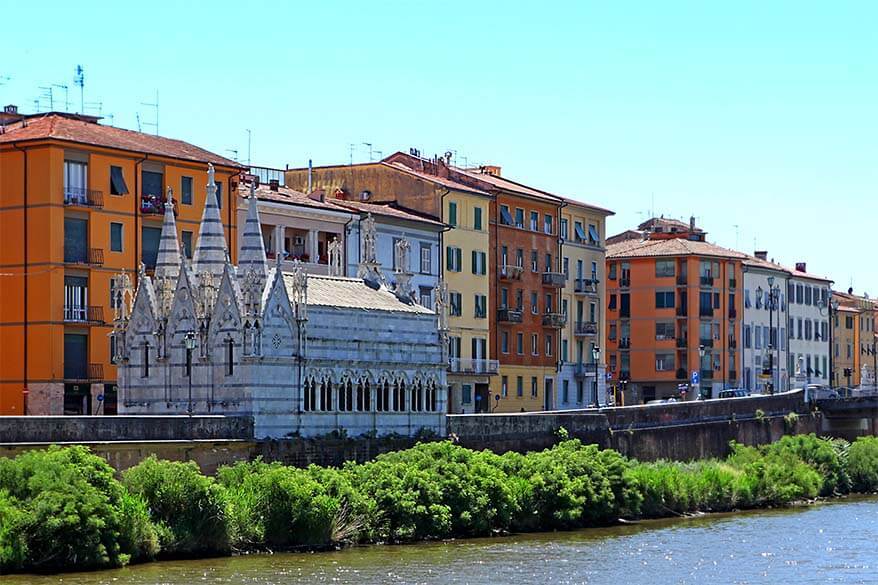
92	256
624	343
681	279
584	370
706	342
554	320
153	205
584	328
681	311
473	366
83	314
625	281
554	279
705	311
83	197
706	281
510	272
733	343
82	372
509	315
585	286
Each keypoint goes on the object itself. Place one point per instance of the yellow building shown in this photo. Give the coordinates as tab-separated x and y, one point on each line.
854	357
582	371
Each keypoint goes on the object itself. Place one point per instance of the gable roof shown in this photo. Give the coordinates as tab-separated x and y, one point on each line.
387	210
353	293
70	129
289	196
669	247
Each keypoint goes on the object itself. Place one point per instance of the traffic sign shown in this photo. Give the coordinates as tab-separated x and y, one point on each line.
694	377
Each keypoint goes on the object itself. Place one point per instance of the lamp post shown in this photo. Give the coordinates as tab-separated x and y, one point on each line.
772	294
833	317
595	354
189	342
701	352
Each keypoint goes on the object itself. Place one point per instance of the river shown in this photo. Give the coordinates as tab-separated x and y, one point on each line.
836	542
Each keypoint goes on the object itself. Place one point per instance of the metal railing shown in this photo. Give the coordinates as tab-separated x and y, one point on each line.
473	366
511	272
585	328
555	279
586	286
83	314
93	256
555	320
83	197
509	315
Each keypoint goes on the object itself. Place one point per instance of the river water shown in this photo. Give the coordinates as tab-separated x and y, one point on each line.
835	542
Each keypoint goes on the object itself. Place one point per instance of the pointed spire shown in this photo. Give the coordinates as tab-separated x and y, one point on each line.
168	261
210	252
252	256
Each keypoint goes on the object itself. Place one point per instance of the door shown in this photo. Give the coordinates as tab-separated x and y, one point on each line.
483	403
549	394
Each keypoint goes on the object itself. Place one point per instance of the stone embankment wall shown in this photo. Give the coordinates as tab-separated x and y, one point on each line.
683	431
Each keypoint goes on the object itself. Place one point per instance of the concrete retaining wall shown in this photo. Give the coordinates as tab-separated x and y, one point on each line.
78	429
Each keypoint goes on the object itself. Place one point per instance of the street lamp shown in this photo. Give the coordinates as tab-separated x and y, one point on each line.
189	343
701	352
595	354
773	293
833	315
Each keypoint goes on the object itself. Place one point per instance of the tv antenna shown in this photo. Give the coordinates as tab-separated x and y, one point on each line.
249	139
369	145
66	95
737	227
138	122
47	93
156	106
352	147
79	79
234	151
4	79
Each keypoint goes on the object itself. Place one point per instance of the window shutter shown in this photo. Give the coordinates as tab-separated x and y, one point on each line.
475	262
449	258
459	256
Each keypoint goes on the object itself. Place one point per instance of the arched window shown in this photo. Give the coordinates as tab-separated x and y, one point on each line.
382	398
416	401
326	396
230	356
144	366
363	397
399	396
346	396
430	391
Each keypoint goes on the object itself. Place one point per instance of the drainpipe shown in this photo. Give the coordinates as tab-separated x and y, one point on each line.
344	248
25	391
137	199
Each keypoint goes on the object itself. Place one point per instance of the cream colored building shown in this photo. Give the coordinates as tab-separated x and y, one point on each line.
581	377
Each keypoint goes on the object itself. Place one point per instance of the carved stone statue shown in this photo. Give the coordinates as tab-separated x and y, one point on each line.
441	294
401	252
300	291
334	248
367	227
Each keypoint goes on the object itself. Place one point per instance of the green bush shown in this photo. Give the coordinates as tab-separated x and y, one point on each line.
189	509
669	487
62	507
774	476
863	464
820	454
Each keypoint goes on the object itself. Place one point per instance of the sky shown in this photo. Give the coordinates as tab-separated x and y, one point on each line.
758	118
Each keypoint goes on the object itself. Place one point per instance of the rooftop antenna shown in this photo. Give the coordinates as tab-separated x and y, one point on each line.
79	79
4	79
234	152
369	144
380	154
249	138
95	107
66	95
736	226
138	122
47	93
156	106
352	147
465	161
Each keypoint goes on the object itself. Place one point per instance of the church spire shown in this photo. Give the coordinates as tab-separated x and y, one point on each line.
210	252
167	263
252	256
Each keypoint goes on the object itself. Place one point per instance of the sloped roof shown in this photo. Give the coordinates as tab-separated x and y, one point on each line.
760	263
388	210
669	247
436	179
289	196
352	293
61	127
505	184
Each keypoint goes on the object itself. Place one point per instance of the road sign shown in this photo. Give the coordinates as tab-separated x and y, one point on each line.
694	377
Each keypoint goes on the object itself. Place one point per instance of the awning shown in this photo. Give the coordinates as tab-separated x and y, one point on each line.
505	216
118	181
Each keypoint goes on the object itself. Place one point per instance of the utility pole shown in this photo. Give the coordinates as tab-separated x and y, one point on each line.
249	137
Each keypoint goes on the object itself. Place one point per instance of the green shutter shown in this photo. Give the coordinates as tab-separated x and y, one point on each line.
475	262
459	258
449	257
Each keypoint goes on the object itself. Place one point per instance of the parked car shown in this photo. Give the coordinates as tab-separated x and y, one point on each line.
733	393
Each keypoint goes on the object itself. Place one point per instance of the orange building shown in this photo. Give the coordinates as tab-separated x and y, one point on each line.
81	202
674	307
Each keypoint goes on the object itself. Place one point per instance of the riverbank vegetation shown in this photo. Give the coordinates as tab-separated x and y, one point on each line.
66	508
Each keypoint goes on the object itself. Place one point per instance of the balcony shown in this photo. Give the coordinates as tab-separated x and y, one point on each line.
733	343
554	320
473	366
88	256
625	281
585	328
509	316
82	314
510	272
581	371
554	279
625	343
682	311
153	205
682	280
80	197
733	313
705	311
83	372
706	281
585	286
681	374
706	342
682	342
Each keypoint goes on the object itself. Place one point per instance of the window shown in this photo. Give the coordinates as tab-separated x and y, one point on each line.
115	237
426	258
565	391
519	217
519	300
505	215
504	342
504	386
219	195
534	221
800	294
144	366
808	293
456	302
75	182
452	213
550	343
187	244
453	258
519	343
533	303
549	263
426	296
152	184
477	218
564	229
466	393
534	387
454	347
564	350
534	261
480	262
75	240
117	181
519	386
664	268
481	306
230	357
747	343
519	258
186	190
593	237
612	271
150	252
747	298
664	299
664	330
547	224
578	233
664	362
534	344
612	303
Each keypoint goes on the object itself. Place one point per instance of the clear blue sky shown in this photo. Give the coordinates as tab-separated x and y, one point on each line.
755	114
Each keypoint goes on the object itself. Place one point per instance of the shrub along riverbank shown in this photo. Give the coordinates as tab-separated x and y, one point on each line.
65	509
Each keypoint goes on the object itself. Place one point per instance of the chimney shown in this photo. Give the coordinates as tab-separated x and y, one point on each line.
273	184
10	109
490	170
761	254
801	266
340	194
318	195
691	223
851	291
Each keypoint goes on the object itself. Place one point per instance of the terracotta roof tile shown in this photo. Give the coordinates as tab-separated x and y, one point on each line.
60	127
289	196
442	181
669	247
353	293
387	210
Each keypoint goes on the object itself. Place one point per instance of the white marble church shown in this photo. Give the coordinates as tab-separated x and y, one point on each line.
304	355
